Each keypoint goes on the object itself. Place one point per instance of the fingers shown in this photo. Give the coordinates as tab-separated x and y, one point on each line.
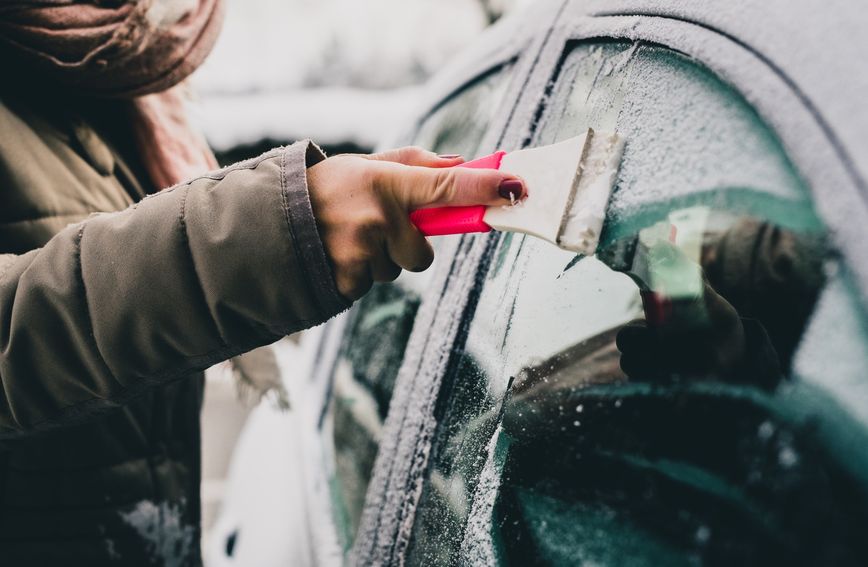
404	248
428	179
355	272
383	269
416	156
649	354
353	279
632	336
636	343
362	259
420	187
409	249
361	206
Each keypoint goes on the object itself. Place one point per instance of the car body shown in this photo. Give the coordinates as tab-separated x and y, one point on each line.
478	414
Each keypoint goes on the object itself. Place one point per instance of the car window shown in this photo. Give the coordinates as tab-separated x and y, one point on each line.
372	349
692	394
459	123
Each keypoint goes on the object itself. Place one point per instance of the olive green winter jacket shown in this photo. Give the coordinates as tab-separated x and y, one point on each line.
111	305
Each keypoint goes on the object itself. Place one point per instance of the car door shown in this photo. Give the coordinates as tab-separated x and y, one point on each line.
378	328
368	346
732	428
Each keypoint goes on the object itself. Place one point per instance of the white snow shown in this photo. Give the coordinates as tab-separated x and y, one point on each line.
170	542
287	44
276	500
329	116
834	349
336	71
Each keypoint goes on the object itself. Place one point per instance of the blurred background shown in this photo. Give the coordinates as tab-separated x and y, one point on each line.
341	72
345	73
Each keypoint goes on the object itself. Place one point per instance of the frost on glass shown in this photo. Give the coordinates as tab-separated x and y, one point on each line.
837	338
694	393
376	336
690	138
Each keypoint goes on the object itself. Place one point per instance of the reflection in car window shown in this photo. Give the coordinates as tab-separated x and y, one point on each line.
379	326
674	399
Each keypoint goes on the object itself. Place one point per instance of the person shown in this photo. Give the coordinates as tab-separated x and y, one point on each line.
115	295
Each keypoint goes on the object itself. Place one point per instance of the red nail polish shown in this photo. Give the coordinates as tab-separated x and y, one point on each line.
449	156
511	189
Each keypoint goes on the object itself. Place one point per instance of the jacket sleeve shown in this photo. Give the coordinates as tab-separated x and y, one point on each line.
183	279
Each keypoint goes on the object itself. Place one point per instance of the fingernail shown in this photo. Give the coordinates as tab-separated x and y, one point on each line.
449	156
511	189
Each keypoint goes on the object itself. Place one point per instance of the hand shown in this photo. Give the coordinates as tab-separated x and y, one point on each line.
715	349
362	202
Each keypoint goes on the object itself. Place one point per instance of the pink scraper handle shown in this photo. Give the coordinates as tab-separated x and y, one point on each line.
457	220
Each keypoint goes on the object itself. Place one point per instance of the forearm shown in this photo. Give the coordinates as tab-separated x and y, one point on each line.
185	278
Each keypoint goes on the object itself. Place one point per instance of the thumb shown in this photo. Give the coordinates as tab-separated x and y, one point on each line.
420	187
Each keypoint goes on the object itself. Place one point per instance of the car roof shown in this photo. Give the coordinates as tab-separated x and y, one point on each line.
817	47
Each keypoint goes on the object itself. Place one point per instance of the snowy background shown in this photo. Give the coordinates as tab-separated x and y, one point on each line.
342	72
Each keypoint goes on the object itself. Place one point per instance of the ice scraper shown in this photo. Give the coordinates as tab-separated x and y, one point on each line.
664	260
568	188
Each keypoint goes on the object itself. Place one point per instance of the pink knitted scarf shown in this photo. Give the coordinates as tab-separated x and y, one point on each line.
132	49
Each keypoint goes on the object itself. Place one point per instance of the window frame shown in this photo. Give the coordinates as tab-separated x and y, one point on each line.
386	528
440	312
